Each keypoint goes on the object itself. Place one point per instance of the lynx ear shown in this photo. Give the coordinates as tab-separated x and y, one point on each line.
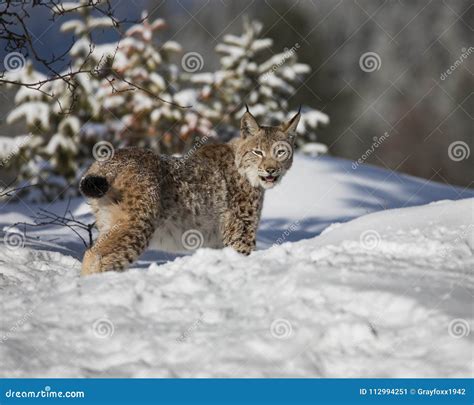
248	125
289	127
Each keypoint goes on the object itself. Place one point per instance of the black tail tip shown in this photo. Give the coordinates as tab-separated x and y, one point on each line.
94	186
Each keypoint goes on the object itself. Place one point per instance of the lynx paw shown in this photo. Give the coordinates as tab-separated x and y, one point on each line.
90	263
243	248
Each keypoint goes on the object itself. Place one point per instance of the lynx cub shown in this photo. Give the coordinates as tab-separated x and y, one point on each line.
215	195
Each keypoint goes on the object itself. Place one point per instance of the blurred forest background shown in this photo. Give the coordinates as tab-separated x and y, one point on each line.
415	90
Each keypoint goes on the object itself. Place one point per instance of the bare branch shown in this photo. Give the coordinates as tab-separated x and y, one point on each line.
45	218
14	31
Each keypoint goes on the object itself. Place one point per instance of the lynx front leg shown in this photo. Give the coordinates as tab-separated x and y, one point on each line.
239	232
117	248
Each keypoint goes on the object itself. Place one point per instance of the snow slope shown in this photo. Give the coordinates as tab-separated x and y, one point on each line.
388	294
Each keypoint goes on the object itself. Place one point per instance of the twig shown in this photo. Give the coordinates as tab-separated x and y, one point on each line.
45	217
14	30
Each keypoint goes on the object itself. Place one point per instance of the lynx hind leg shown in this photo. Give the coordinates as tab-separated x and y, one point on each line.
117	248
129	227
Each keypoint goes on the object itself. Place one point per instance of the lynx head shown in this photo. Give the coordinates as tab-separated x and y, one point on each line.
264	154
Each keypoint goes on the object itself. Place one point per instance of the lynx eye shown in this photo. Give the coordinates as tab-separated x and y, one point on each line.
257	152
280	152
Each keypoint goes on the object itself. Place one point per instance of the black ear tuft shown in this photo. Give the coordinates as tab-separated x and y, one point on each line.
289	127
248	125
247	107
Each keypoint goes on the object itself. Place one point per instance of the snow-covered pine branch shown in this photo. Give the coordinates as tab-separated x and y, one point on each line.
131	93
247	75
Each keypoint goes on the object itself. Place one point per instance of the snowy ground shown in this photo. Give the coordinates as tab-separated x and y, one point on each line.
384	291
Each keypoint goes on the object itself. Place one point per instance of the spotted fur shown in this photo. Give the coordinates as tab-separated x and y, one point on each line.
217	191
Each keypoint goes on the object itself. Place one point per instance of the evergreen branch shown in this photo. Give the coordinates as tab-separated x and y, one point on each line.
14	17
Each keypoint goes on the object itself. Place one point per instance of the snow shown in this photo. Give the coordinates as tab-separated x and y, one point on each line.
314	148
70	125
60	141
277	83
172	46
100	22
358	273
10	147
235	40
313	118
73	25
260	44
34	112
235	52
158	81
29	94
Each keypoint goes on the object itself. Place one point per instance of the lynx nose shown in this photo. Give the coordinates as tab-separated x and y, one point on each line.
271	170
